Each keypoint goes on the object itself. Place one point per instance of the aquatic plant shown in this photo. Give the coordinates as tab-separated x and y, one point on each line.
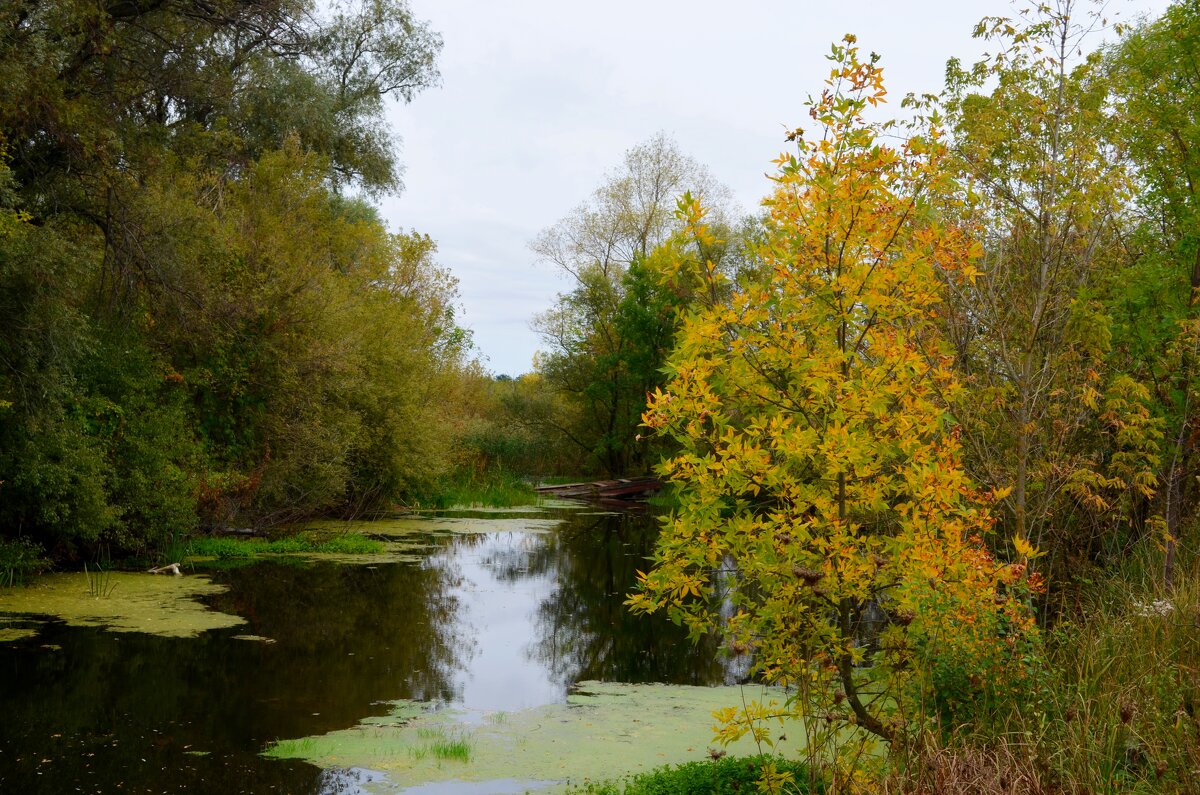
444	746
451	748
291	748
100	584
491	489
604	730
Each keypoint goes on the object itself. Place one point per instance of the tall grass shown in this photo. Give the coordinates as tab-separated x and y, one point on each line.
1124	708
1117	709
490	488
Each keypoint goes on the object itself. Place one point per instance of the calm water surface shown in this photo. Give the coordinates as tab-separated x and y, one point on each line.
485	622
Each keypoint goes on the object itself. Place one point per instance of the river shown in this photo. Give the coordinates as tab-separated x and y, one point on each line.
494	620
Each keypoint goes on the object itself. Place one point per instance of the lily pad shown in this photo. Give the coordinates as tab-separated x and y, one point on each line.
156	605
605	730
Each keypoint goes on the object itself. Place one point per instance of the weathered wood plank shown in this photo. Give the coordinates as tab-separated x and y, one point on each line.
621	490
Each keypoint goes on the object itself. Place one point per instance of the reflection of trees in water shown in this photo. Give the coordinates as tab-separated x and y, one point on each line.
347	781
369	633
514	557
585	630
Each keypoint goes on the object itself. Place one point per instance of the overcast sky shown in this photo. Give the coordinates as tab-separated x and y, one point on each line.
540	99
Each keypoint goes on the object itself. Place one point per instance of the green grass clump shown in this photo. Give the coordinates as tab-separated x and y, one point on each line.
489	489
351	544
305	543
441	746
289	749
717	777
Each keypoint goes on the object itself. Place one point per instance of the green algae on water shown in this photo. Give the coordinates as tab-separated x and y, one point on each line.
154	604
345	547
451	525
604	730
16	630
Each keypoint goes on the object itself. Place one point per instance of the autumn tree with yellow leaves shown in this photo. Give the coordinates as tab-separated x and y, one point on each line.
825	525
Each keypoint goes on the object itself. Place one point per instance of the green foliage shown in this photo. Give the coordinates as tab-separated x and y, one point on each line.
197	328
1155	297
19	558
724	776
1041	188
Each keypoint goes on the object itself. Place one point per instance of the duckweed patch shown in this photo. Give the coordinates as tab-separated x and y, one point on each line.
604	730
157	605
303	544
418	525
16	630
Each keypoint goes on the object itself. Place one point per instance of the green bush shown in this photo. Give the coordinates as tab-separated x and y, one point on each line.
718	777
19	558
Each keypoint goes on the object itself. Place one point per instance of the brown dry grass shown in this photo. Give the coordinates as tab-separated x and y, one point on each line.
1005	768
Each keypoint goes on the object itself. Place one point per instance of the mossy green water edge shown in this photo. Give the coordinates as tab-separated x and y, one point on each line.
347	546
401	539
417	525
159	605
12	630
604	730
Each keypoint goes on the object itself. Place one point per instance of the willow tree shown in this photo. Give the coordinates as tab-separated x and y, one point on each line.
821	498
604	337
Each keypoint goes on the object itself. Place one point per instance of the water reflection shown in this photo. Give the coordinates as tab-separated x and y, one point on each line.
584	630
492	621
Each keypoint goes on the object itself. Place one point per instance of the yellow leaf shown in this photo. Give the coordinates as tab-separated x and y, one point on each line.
1025	548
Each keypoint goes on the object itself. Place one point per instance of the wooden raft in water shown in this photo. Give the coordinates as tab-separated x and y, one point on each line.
625	490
